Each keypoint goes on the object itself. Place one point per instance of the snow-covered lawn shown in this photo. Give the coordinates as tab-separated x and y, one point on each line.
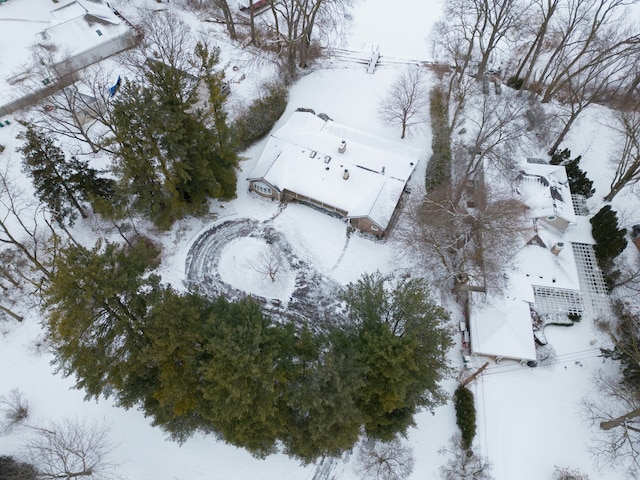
529	419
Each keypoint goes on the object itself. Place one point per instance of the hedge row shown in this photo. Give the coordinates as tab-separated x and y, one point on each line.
439	168
260	117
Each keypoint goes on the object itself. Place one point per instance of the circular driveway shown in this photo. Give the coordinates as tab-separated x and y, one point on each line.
316	299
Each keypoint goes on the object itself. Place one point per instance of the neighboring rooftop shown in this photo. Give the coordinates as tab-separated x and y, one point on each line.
73	33
544	273
545	189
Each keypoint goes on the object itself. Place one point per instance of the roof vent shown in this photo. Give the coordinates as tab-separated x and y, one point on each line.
343	146
557	248
327	159
345	175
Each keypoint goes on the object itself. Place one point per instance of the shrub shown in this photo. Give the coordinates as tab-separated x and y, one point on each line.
12	469
261	116
14	409
515	82
574	317
465	415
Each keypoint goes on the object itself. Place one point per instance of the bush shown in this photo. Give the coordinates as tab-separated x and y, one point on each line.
261	116
12	469
465	415
515	82
439	168
574	317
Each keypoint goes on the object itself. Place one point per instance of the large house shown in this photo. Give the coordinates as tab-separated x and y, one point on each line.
547	275
342	170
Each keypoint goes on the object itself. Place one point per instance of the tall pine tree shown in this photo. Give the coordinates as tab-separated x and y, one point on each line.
173	154
63	184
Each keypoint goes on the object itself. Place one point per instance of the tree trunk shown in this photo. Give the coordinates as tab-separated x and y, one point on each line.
228	17
10	313
565	130
616	422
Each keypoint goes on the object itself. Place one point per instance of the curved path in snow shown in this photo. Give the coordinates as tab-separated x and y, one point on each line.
315	299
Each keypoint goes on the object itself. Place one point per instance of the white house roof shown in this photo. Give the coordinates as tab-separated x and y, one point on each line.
501	327
79	26
545	189
302	157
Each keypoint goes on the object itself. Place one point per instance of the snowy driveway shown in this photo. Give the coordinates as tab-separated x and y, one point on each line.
315	299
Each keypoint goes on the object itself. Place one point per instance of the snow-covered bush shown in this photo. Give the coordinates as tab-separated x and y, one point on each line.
260	117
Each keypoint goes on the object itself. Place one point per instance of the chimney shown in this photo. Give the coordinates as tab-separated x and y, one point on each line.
557	248
343	146
382	170
345	175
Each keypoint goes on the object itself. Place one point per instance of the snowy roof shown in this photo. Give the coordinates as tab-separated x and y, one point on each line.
302	157
79	26
545	189
501	327
537	266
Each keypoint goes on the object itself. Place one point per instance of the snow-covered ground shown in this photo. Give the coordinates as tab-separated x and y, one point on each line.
529	419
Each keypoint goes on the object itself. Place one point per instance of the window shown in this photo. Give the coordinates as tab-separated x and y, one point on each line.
262	188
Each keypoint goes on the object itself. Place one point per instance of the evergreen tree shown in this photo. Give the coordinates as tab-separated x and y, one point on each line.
579	183
324	418
171	154
465	415
245	379
62	183
401	339
610	242
96	303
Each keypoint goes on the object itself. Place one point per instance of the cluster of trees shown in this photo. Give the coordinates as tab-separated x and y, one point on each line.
221	367
286	26
578	53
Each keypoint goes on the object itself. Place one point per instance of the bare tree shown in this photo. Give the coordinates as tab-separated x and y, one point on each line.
463	464
547	10
80	110
616	409
495	127
269	263
588	32
295	23
565	473
599	81
465	244
407	101
28	242
627	126
498	19
616	406
167	39
384	460
70	449
14	409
